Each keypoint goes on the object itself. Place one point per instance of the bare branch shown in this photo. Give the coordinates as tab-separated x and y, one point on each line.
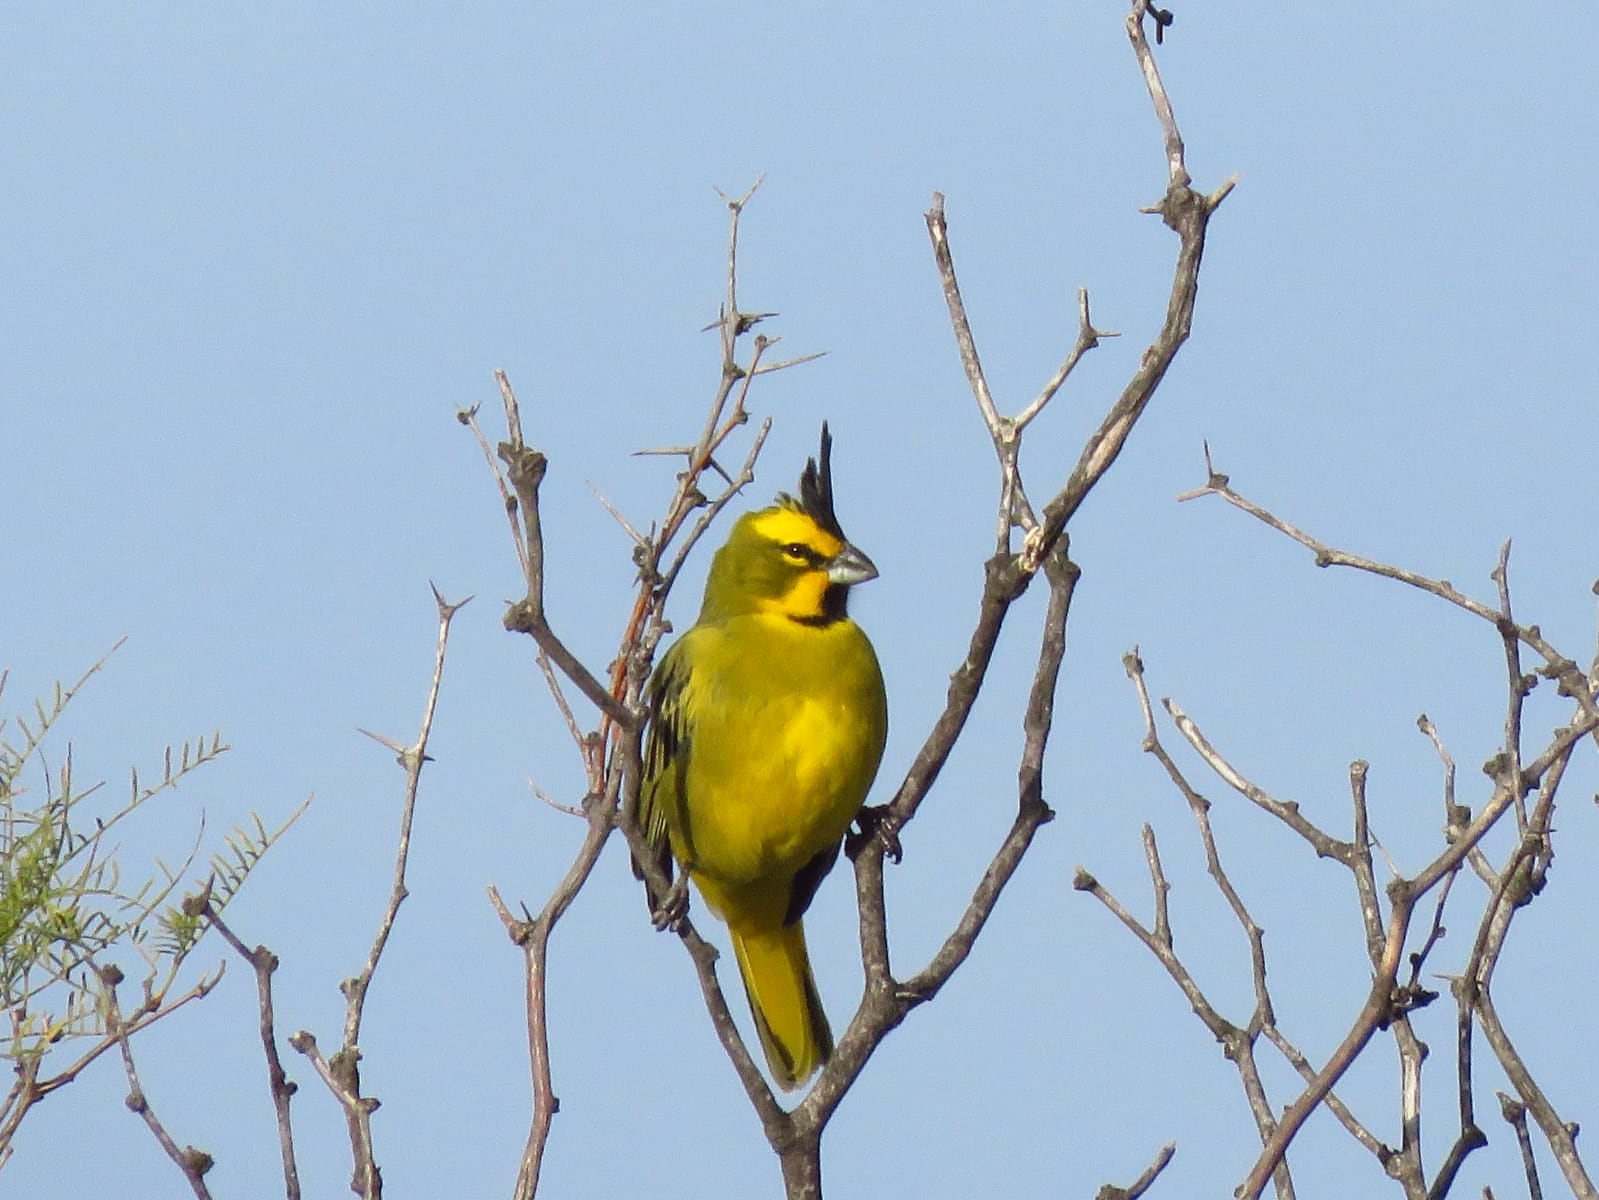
713	509
1388	1004
191	1162
1359	862
886	1003
1287	811
1238	1043
338	1076
468	417
1175	166
1473	990
1014	507
1004	585
411	760
1379	1008
1520	685
147	1014
1456	816
1223	1030
583	744
1515	1114
342	1073
525	469
263	962
1188	213
611	754
1337	1107
1161	889
1562	1137
965	343
1087	339
1143	1183
786	363
1200	808
1032	811
1557	666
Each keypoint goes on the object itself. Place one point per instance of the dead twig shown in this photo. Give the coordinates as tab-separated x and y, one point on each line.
264	963
341	1072
194	1164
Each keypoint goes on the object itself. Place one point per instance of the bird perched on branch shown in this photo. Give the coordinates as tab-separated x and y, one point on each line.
767	723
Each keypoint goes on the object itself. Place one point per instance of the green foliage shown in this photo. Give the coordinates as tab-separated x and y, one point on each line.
68	899
181	925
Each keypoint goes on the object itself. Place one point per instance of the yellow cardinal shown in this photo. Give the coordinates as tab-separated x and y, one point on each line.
767	722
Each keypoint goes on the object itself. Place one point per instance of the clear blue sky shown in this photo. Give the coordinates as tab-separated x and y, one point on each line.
254	260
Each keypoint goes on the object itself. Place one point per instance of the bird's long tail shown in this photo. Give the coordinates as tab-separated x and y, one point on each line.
783	999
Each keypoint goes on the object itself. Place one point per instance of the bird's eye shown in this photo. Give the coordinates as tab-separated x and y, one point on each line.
797	550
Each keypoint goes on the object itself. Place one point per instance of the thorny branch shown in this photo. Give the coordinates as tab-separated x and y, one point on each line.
1514	780
1514	887
1007	575
1567	675
612	764
341	1072
610	753
1238	1041
1390	1002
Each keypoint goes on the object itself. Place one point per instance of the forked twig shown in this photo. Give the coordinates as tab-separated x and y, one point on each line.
1570	678
264	963
610	754
341	1072
194	1164
613	775
1389	1001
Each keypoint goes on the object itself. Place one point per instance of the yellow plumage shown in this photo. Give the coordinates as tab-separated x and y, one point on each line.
768	719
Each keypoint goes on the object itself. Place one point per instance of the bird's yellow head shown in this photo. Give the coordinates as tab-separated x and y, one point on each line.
790	560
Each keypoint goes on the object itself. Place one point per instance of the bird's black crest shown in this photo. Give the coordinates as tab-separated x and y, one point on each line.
816	488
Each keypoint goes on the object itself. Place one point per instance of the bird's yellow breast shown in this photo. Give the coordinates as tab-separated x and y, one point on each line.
786	724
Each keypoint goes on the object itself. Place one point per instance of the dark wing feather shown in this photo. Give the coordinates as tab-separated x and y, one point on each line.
666	750
806	882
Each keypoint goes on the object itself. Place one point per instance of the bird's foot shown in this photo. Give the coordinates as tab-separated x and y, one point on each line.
875	821
669	913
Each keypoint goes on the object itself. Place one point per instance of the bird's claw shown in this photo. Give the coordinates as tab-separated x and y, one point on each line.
879	822
669	913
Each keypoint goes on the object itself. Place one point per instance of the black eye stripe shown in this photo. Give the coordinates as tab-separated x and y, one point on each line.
803	552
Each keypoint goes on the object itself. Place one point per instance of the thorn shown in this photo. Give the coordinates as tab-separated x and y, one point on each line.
553	802
386	743
638	538
447	609
768	368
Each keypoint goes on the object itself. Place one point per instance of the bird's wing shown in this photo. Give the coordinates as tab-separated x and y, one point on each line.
808	879
667	745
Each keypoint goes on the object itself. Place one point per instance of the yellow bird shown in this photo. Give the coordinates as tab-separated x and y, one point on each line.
767	723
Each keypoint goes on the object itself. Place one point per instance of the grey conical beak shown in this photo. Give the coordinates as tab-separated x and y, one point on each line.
850	566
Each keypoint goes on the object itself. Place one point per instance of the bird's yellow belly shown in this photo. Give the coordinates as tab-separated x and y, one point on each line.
787	795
